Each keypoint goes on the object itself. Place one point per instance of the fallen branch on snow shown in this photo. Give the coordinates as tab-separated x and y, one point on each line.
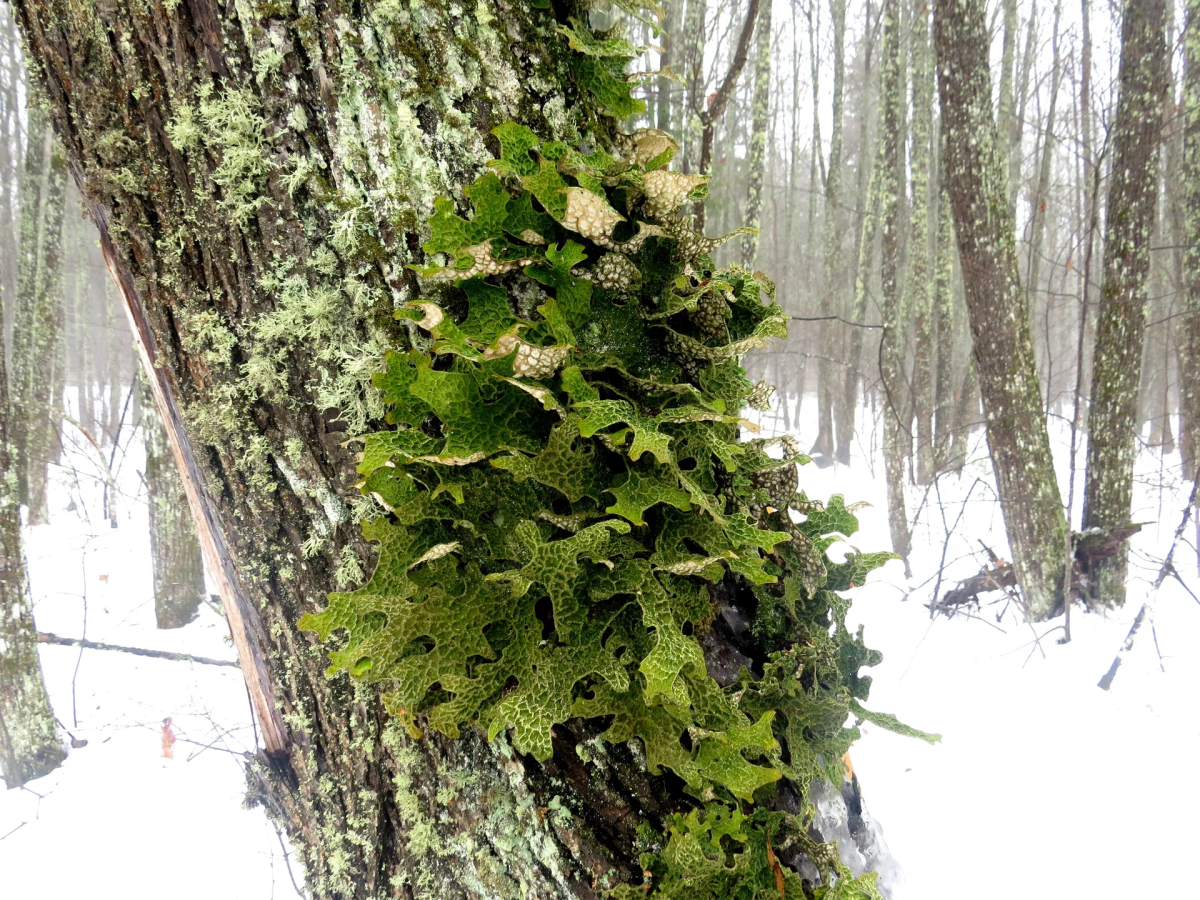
44	637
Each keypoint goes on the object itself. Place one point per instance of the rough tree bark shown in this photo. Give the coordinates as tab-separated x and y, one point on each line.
175	554
260	176
29	743
1113	420
37	313
974	173
823	446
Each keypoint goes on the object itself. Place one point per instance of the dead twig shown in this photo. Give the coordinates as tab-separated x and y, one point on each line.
1167	568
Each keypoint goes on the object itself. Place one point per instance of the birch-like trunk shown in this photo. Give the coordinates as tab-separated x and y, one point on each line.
1113	420
975	180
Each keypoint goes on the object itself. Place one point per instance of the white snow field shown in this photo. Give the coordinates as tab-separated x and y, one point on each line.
1043	786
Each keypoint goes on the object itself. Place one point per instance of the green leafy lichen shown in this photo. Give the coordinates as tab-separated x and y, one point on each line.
565	481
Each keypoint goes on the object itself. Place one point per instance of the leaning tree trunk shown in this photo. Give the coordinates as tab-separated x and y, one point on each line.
175	555
1113	420
36	340
1189	337
259	178
29	743
974	173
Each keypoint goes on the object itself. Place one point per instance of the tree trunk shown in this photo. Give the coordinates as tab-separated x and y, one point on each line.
944	306
175	553
866	225
666	105
823	446
892	167
921	269
29	744
1189	337
1113	418
975	180
1037	219
692	62
1017	119
36	339
759	114
10	127
260	182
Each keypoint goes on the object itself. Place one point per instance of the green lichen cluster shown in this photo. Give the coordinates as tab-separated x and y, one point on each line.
567	492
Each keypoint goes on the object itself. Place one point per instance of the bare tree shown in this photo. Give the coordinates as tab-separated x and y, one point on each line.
823	446
919	286
976	182
1189	356
29	743
759	114
1113	417
892	168
38	312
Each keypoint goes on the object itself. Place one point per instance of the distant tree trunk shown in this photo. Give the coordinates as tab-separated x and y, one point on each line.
1189	338
175	554
715	105
664	87
1037	219
36	319
869	193
759	114
10	128
921	269
823	446
966	415
692	62
1113	418
975	181
944	306
29	744
892	167
1017	120
1006	110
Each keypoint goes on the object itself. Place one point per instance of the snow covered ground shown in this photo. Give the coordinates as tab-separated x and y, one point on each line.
1043	784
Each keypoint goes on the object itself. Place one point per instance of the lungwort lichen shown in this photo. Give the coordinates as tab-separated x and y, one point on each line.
568	491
